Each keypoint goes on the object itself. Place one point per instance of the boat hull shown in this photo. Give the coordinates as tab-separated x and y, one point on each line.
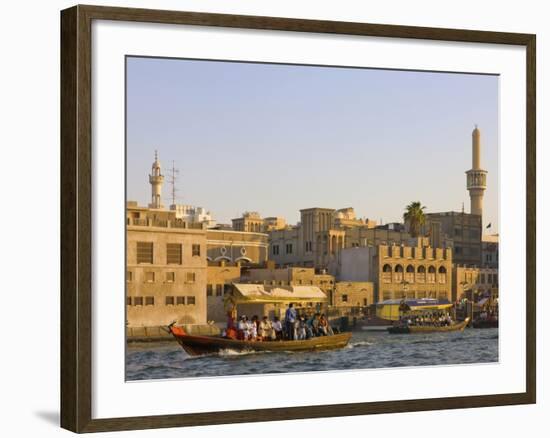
429	329
202	345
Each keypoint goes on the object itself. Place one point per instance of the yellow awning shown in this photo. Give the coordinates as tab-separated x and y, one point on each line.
259	293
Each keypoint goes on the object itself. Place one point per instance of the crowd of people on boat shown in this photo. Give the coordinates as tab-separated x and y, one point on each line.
292	327
433	319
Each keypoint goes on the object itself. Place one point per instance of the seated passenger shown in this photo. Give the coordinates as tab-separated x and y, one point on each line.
242	327
265	330
324	328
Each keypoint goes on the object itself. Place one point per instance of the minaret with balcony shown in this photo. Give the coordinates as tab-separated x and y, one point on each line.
156	179
476	177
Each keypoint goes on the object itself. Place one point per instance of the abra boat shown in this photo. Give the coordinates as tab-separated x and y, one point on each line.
405	329
201	345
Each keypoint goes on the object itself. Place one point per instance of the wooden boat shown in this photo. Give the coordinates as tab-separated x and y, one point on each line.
406	329
200	345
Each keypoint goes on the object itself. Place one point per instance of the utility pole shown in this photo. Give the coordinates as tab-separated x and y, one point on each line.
172	180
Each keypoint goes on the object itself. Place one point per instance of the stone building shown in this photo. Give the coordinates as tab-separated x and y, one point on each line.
250	221
322	233
290	276
399	271
353	294
474	282
459	231
220	276
237	246
273	300
165	275
193	215
489	251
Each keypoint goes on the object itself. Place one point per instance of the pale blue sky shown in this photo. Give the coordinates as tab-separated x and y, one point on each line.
278	138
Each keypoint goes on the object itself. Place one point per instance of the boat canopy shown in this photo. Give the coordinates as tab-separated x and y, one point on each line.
393	309
259	293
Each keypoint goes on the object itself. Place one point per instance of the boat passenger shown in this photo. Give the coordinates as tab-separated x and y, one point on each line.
324	328
230	320
290	320
277	328
243	329
301	329
265	330
253	328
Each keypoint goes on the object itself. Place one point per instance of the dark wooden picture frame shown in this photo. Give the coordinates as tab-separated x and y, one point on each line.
76	218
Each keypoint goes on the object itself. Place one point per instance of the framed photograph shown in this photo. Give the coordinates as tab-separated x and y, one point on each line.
341	214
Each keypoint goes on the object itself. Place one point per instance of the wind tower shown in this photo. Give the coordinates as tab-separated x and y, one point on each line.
156	179
476	177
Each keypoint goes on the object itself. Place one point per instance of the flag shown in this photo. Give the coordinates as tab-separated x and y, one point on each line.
488	225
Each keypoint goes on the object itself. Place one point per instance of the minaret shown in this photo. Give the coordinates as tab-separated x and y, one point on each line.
156	179
476	177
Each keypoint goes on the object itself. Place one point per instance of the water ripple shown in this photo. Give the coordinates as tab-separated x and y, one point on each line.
366	350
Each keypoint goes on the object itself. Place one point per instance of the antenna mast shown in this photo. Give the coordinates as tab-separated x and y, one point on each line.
172	179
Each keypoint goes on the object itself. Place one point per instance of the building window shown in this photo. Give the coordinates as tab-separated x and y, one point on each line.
129	276
208	290
138	301
386	274
275	250
173	253
398	277
226	289
128	301
149	301
169	301
409	274
191	301
442	275
219	290
365	302
150	277
180	300
170	277
190	277
431	274
482	276
458	250
144	252
196	250
344	298
289	248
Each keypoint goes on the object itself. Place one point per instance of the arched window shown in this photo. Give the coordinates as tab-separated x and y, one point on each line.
442	275
431	274
409	275
386	274
421	274
398	277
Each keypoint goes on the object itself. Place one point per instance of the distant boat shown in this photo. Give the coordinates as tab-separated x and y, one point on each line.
406	329
201	345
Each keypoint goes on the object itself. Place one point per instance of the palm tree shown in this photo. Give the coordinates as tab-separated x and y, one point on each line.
414	215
